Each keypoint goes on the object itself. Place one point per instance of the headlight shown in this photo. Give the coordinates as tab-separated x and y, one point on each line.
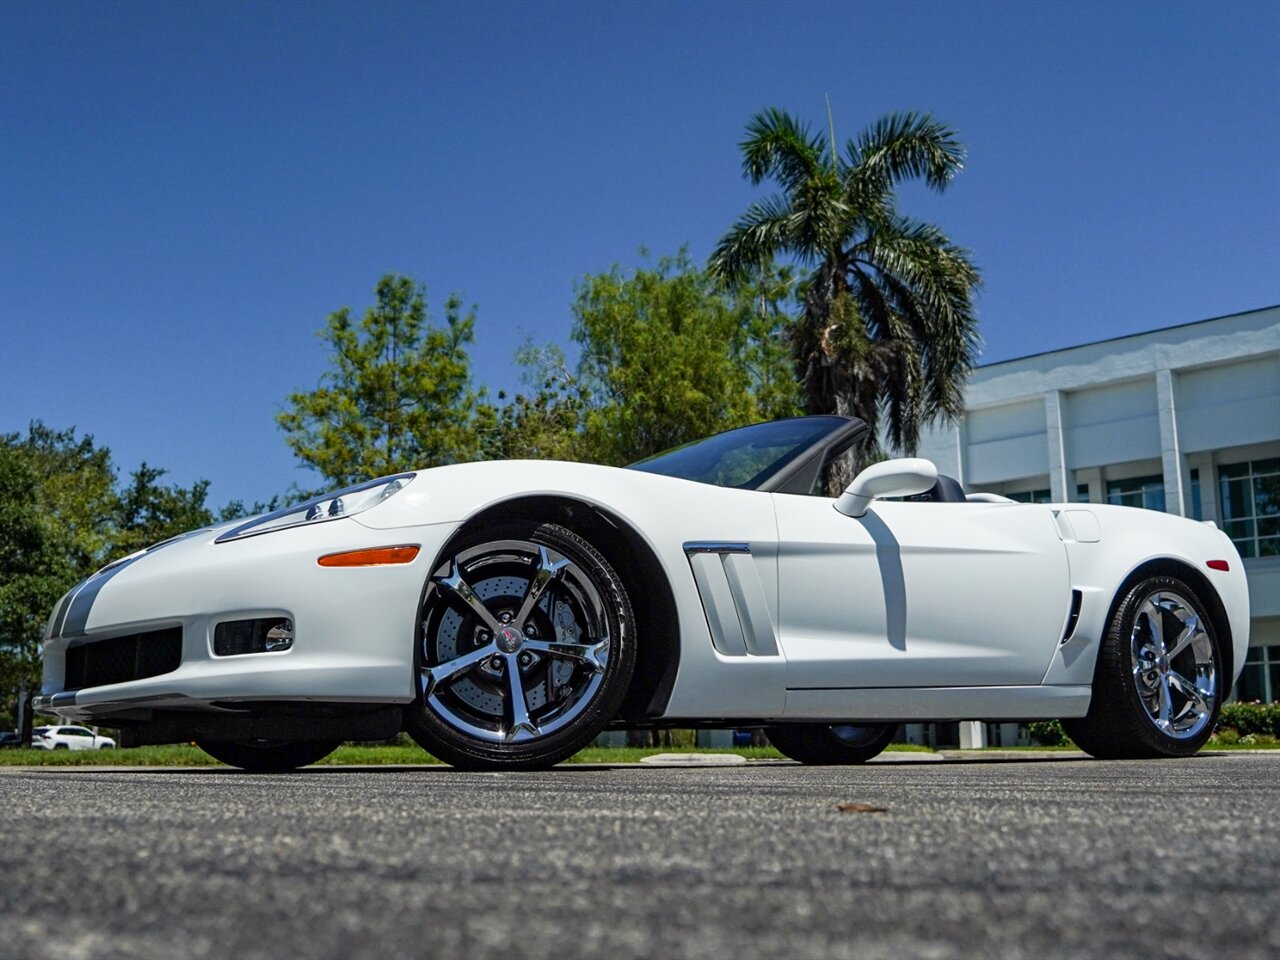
332	506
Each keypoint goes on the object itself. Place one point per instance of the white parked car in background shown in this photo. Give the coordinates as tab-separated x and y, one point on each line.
68	738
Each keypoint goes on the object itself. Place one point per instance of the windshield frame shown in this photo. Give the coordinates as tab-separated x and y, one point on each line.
778	475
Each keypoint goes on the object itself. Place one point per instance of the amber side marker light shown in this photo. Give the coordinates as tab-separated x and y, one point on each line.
1218	565
374	557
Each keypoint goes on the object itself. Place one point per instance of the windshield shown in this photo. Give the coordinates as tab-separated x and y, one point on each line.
745	457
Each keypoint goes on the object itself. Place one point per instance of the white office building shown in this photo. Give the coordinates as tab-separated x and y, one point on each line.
1184	419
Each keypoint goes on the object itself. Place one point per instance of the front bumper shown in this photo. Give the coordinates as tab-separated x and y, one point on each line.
354	627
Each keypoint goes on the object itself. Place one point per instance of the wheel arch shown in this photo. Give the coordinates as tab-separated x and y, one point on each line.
657	622
1205	592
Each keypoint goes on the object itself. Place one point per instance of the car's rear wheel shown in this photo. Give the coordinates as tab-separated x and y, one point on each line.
1157	682
268	756
525	652
822	744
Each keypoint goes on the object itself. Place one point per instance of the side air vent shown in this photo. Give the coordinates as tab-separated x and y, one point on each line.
99	663
1073	617
732	598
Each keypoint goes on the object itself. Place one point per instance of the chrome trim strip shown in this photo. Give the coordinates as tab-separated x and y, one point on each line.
52	701
716	546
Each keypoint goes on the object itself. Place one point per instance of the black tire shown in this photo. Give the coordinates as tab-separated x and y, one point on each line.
268	756
468	716
825	744
61	746
1129	682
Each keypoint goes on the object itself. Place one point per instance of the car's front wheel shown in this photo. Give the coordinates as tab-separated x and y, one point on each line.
525	652
268	756
1156	688
821	744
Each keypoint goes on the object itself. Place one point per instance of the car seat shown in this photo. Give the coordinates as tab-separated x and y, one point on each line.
946	490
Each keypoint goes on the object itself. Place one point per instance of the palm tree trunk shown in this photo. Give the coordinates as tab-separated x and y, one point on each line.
827	386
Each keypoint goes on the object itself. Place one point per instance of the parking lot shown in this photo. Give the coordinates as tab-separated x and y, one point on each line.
1066	858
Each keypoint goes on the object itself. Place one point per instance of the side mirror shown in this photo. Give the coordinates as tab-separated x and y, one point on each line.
889	478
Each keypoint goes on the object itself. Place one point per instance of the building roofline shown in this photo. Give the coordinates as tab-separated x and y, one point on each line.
1126	336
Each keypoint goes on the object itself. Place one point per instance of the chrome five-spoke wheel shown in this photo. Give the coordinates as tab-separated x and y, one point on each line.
525	650
1174	666
1156	687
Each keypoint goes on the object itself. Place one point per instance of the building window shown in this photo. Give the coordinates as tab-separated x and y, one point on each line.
1197	512
1031	496
1251	506
1147	492
1260	678
1082	493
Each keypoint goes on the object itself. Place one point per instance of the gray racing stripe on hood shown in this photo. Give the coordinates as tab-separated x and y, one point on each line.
82	602
77	614
63	606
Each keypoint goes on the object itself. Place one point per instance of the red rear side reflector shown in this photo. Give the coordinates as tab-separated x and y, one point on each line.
1218	565
377	556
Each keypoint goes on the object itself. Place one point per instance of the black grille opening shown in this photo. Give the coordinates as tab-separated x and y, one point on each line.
265	635
121	659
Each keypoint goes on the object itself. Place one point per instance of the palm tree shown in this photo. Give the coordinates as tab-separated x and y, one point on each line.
888	326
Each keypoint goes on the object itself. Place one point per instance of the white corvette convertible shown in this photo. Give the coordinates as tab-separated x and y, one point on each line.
505	613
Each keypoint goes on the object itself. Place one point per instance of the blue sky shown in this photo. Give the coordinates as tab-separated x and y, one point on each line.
188	189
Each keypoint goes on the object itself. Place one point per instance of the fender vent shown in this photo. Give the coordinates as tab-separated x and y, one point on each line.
732	598
1077	598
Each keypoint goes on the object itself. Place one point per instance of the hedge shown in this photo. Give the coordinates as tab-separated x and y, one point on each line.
1247	718
1261	719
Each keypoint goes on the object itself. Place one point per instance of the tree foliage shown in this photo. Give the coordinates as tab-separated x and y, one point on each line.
664	357
148	512
544	423
398	392
62	516
888	324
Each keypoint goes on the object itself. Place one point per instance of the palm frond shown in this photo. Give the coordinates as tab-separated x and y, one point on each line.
766	228
903	146
918	288
779	146
822	217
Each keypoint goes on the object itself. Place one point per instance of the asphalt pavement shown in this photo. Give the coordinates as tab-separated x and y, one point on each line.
1035	859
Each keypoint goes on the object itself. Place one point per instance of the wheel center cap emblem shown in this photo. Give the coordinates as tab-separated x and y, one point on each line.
509	639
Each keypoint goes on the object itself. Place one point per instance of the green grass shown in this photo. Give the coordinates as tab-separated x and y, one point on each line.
1068	747
183	755
177	755
1268	744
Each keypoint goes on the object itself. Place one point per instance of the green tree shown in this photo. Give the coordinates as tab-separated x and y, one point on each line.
666	357
147	512
888	324
544	423
56	502
34	573
61	518
398	394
